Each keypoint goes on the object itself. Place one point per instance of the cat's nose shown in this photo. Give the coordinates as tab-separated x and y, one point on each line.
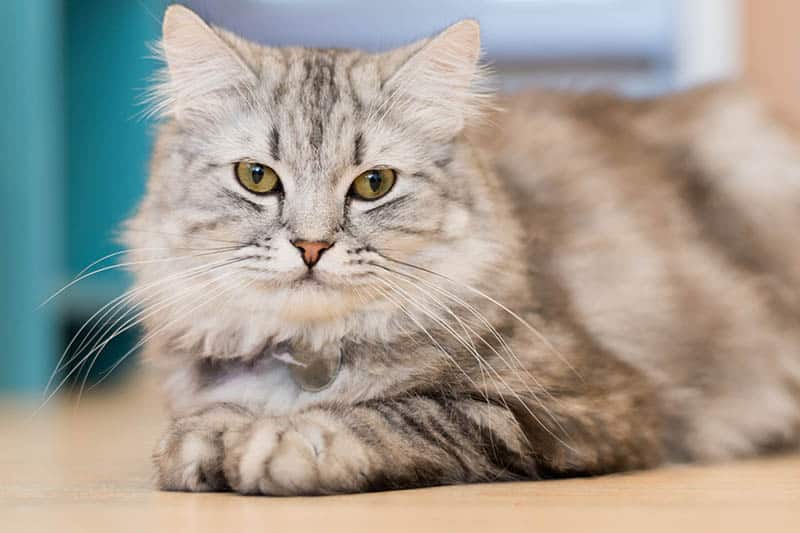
311	250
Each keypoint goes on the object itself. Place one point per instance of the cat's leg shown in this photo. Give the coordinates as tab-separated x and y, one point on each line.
412	441
390	444
190	454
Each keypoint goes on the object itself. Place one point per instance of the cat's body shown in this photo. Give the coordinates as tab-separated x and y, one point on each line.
665	231
579	284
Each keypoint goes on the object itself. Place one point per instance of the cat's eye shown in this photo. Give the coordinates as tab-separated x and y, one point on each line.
373	183
256	178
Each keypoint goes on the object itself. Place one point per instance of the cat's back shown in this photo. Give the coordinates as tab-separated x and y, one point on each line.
666	230
712	165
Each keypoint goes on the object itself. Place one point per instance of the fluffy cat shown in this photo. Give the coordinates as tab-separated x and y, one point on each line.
365	276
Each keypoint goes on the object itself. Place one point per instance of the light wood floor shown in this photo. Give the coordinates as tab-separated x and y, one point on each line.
86	468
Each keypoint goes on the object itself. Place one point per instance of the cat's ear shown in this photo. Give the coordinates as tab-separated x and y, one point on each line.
199	63
440	83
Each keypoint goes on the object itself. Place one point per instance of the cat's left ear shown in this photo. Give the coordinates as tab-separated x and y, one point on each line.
439	84
199	62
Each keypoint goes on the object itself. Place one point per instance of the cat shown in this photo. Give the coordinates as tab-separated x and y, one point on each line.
364	272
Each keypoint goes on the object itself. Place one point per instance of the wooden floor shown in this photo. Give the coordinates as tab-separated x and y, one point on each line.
86	468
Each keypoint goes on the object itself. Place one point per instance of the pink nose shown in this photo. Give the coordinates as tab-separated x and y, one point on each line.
311	250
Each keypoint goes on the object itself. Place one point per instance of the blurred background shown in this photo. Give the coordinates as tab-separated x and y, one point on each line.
74	147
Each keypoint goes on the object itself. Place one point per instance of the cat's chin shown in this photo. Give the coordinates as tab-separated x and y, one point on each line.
310	300
317	305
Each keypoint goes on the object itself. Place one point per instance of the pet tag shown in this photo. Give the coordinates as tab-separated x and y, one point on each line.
312	370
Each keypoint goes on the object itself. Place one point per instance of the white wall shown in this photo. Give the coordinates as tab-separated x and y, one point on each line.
708	41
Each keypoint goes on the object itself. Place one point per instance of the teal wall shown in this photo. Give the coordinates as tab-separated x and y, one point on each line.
31	187
107	142
73	156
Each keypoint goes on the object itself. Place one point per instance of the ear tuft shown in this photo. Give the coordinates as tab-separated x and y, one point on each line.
176	19
441	82
198	61
461	40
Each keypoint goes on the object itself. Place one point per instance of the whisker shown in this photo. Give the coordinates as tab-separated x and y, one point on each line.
424	330
146	249
128	325
497	375
479	360
408	334
477	314
139	316
162	328
112	305
514	315
482	363
498	337
144	314
79	365
123	265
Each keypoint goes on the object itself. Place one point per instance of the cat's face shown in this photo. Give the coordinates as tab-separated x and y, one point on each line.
302	163
309	169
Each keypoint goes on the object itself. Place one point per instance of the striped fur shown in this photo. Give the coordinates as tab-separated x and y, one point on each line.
575	285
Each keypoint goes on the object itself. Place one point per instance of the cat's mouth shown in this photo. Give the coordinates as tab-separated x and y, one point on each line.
306	279
312	279
309	279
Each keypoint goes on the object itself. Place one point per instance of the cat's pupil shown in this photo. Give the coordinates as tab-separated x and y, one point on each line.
374	181
257	173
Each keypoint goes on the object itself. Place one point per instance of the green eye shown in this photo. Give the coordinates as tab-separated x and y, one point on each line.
256	178
373	183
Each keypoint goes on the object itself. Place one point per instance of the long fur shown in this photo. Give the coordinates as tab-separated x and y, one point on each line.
577	285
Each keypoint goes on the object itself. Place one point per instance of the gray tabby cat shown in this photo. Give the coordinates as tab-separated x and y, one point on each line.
365	278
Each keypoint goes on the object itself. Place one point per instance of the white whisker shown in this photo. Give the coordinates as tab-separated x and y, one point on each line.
115	304
143	315
482	294
497	375
424	330
130	324
124	265
146	249
498	337
146	339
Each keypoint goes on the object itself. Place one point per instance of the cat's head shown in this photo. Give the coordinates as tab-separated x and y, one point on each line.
288	183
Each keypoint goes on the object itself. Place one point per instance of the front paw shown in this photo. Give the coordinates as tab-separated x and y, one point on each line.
311	453
189	457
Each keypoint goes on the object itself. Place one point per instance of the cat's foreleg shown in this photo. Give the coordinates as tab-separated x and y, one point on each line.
189	456
383	444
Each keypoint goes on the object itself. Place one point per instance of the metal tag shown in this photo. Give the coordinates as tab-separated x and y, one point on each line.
312	370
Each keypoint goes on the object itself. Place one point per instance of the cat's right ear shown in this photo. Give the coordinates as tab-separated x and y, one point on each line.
199	64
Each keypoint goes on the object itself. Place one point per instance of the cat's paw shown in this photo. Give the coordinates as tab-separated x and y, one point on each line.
189	457
311	453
